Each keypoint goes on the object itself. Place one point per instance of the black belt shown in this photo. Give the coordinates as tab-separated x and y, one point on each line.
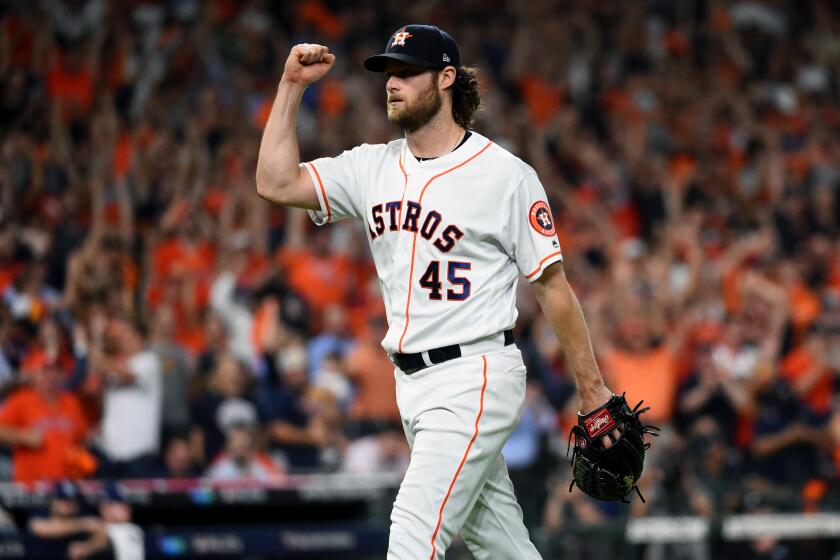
412	363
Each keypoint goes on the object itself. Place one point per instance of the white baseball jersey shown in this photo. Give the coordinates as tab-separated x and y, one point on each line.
449	236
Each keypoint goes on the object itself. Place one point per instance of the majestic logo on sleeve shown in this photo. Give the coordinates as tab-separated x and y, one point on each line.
400	37
541	220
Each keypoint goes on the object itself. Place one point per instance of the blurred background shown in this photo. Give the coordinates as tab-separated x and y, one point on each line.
188	369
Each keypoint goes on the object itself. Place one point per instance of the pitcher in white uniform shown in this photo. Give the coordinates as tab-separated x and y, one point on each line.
452	220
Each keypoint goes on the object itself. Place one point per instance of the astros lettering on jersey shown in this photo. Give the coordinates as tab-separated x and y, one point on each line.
449	236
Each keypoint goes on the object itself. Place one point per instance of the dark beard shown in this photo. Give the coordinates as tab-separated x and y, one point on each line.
415	117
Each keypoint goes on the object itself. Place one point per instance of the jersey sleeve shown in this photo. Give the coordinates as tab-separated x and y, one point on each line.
529	234
337	186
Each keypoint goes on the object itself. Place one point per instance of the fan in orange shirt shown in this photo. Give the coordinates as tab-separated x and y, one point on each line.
806	369
641	367
373	374
45	426
318	275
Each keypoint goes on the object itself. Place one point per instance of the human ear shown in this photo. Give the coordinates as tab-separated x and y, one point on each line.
446	77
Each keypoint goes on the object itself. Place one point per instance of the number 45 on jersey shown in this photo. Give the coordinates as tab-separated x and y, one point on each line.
458	286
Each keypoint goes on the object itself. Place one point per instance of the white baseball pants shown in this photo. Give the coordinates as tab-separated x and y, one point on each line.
457	416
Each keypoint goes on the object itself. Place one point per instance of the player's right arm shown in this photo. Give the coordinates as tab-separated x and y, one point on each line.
280	177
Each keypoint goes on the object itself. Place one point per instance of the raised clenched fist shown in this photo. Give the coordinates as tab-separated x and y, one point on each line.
307	63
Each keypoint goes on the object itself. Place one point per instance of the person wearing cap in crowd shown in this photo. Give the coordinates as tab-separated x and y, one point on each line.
112	531
63	520
228	395
241	458
45	425
65	500
110	535
178	460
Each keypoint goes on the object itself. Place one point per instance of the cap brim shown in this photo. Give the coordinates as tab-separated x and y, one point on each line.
376	63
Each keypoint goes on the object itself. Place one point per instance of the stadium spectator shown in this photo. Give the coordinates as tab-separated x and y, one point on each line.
319	274
525	453
114	532
45	425
807	370
236	316
178	458
303	421
384	452
63	520
641	365
228	399
788	436
133	385
29	297
565	510
711	393
8	351
241	459
111	533
175	369
371	373
215	345
334	339
65	502
332	378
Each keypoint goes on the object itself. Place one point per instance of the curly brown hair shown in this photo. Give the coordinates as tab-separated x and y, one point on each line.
465	96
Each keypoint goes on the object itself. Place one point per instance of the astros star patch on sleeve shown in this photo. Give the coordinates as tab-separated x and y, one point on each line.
530	232
541	220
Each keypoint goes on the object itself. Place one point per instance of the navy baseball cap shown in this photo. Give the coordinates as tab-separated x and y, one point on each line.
112	491
420	45
65	490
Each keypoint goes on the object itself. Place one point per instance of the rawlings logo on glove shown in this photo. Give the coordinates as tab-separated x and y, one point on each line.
610	472
599	424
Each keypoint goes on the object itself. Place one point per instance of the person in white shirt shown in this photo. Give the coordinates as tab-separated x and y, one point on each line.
132	402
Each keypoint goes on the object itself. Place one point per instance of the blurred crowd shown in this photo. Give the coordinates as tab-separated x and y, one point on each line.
157	318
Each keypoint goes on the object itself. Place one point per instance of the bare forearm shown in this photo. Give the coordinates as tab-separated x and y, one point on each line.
570	326
280	179
59	528
283	432
563	311
279	157
695	398
736	393
770	444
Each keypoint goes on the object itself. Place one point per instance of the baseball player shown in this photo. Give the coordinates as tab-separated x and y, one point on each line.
452	220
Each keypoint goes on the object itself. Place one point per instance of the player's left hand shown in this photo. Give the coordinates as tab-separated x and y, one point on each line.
591	400
609	449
